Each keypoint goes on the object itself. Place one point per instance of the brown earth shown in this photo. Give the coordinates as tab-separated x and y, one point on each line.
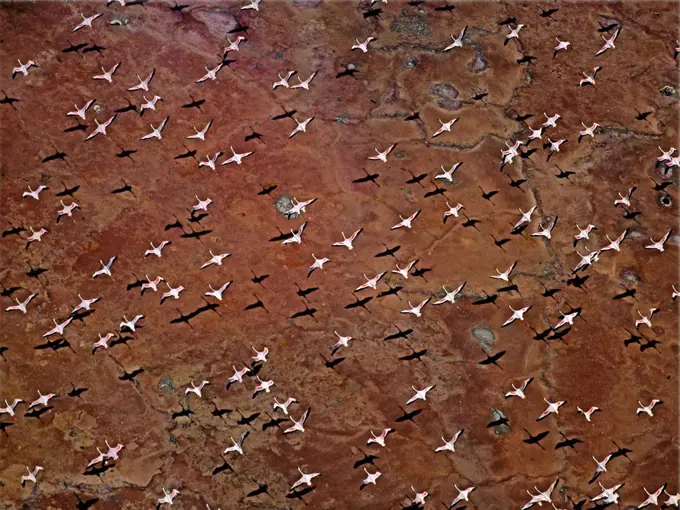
403	71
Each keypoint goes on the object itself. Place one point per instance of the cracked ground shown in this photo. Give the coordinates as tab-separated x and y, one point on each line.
404	71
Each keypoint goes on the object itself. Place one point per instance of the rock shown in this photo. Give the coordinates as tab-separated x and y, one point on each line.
478	62
283	205
449	105
411	63
497	414
485	336
165	383
629	276
606	22
445	91
668	91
